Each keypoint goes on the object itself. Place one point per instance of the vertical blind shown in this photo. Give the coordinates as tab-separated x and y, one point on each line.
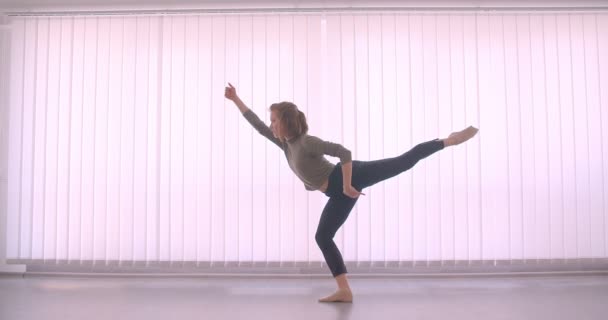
122	146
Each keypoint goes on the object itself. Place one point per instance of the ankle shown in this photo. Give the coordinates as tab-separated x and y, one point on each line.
447	142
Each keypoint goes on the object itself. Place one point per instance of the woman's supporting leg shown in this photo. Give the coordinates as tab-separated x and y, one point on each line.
334	215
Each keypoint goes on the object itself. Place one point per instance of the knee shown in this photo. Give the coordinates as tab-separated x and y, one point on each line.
322	240
407	161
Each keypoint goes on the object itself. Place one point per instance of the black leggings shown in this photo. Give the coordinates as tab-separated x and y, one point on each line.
365	174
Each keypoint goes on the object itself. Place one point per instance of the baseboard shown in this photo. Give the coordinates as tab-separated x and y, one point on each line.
376	268
12	269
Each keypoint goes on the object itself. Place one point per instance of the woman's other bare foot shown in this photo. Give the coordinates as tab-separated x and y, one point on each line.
342	295
460	136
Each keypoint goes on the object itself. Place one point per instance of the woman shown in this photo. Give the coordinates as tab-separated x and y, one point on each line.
343	182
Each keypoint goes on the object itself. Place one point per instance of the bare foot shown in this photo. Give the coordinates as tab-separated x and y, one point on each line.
461	136
342	295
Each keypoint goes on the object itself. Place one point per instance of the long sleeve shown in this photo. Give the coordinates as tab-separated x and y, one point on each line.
329	148
261	127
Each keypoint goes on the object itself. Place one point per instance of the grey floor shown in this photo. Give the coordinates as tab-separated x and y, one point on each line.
526	297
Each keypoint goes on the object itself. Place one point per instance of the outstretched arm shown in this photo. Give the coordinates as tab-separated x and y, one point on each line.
252	118
230	94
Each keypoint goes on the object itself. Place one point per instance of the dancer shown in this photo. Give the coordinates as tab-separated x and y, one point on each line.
341	183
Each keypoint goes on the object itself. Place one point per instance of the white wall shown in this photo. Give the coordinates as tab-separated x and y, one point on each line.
582	193
125	149
4	50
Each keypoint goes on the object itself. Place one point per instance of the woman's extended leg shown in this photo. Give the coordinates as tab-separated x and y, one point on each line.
368	173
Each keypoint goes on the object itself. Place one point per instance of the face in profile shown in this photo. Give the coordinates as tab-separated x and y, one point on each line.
275	126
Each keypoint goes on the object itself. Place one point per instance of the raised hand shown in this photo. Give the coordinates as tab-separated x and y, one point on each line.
351	192
230	92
